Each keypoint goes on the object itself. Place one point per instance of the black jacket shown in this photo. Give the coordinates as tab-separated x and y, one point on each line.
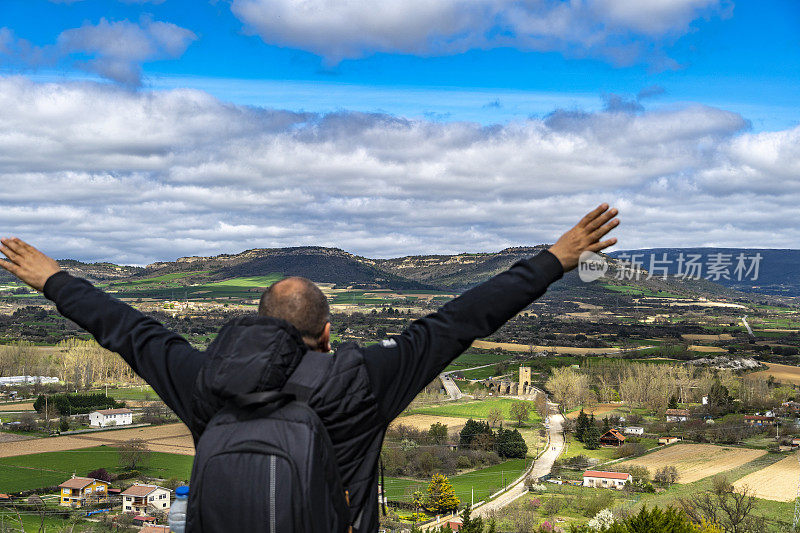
367	386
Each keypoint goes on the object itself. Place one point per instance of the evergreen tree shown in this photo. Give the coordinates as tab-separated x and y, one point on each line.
441	495
606	424
591	439
673	402
511	444
580	426
469	524
718	397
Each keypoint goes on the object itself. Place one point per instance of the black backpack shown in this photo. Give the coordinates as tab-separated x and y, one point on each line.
265	464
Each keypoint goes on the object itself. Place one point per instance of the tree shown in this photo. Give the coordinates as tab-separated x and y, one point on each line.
441	495
469	524
725	505
673	402
581	425
470	430
719	398
520	411
63	424
133	453
101	474
666	475
494	416
606	424
437	434
591	438
511	444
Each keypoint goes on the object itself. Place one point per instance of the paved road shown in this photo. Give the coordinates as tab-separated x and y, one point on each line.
450	385
541	466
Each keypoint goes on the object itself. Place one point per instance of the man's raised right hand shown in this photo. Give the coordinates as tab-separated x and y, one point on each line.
585	236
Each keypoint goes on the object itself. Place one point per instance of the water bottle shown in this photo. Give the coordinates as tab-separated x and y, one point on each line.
177	511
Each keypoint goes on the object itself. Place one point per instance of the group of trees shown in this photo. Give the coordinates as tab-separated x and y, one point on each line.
479	435
411	452
657	387
75	404
587	432
79	362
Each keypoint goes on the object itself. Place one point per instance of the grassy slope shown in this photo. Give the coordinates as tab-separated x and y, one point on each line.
477	409
485	481
46	469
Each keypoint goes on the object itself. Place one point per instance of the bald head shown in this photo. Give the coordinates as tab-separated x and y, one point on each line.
299	302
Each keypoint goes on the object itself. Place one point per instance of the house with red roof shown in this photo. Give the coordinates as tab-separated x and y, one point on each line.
606	480
143	499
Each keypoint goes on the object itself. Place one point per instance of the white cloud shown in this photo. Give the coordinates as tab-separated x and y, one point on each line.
95	172
112	49
622	31
119	48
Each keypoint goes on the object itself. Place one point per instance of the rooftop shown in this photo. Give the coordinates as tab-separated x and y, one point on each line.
606	475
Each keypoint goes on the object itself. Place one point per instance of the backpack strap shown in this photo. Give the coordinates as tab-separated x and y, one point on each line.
307	376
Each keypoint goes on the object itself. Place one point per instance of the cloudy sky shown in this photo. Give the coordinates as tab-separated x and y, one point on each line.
141	130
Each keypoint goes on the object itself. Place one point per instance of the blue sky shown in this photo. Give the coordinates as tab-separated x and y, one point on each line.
742	57
141	130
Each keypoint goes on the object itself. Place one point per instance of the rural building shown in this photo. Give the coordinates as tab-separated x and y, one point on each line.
10	381
634	430
143	520
793	407
668	440
80	490
608	480
455	523
141	499
612	437
154	529
677	415
759	420
111	417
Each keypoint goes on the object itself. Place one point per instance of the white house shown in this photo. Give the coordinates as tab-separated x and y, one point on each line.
144	499
678	415
634	430
111	417
607	480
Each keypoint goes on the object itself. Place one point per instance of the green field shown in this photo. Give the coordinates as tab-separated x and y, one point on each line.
485	482
603	454
476	409
241	287
46	469
133	393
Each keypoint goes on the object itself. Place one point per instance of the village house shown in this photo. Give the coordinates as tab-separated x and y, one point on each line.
759	420
154	529
634	430
608	480
141	499
77	491
667	440
677	415
612	437
111	417
790	406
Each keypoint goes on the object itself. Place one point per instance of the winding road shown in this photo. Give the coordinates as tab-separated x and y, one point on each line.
541	466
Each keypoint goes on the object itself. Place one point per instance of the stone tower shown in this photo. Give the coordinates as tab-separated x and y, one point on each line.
524	379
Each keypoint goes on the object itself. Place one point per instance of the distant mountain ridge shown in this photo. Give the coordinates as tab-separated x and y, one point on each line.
779	274
778	269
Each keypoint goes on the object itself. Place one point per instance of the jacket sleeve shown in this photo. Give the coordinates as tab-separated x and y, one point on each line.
162	358
400	367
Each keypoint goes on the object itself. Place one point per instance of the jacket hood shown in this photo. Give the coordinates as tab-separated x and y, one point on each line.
250	354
